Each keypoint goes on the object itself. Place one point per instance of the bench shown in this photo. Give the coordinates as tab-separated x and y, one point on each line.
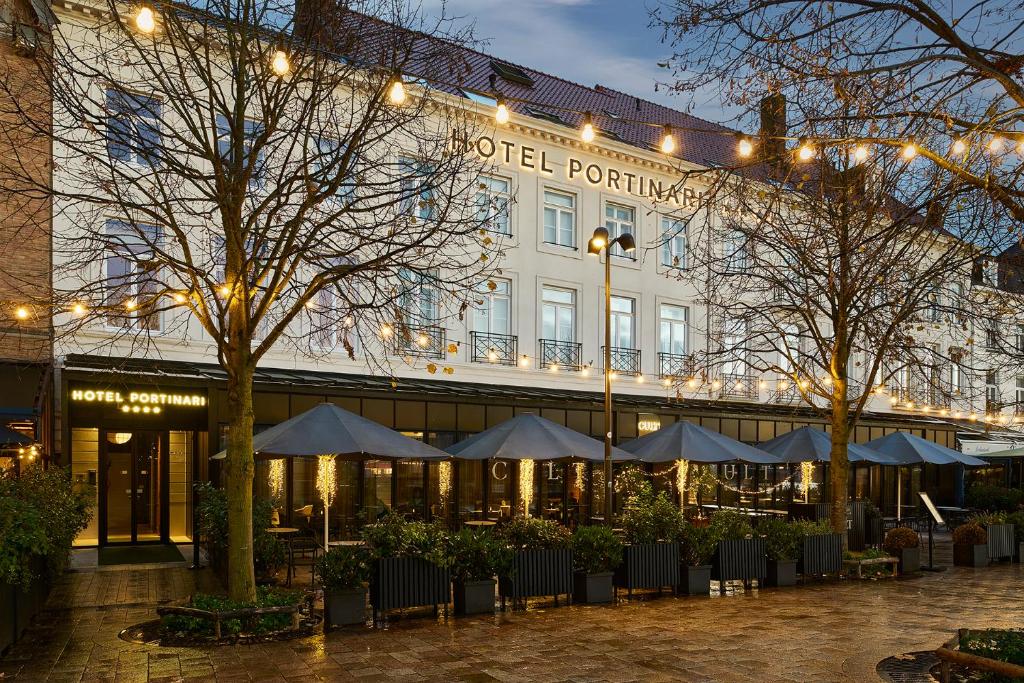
861	563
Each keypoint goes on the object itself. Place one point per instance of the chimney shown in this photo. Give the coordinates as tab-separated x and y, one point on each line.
773	127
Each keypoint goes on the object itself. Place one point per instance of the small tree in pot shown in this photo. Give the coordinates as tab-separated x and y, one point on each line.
740	556
904	544
651	524
697	544
344	571
541	562
475	558
596	554
782	547
970	545
821	549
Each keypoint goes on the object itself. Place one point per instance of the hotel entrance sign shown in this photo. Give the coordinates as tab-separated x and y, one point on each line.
137	400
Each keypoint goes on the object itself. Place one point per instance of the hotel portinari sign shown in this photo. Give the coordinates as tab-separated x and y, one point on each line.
138	401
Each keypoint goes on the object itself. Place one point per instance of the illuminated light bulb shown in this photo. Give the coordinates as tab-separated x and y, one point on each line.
972	417
180	298
910	405
745	148
692	382
587	132
861	153
135	409
944	412
145	20
145	409
131	304
492	355
783	385
279	64
760	384
524	362
909	151
958	415
224	290
78	309
667	382
585	372
386	331
805	152
925	409
348	321
309	304
803	384
554	367
21	313
639	379
396	93
156	409
716	384
501	115
422	340
612	375
995	145
125	409
959	146
668	141
893	400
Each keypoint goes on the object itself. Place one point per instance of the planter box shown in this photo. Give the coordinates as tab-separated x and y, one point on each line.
399	582
344	607
537	573
781	573
593	588
648	565
1000	541
474	597
822	554
742	560
18	606
910	560
695	580
970	555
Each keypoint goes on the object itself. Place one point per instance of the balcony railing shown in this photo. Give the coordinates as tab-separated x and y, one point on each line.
563	354
788	394
675	365
743	387
499	349
624	361
422	342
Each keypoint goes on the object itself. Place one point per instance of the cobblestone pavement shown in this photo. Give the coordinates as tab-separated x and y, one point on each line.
829	631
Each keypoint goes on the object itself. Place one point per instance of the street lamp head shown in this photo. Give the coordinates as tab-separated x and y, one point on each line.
626	241
599	241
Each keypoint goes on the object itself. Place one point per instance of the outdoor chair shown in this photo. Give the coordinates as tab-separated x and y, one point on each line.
303	552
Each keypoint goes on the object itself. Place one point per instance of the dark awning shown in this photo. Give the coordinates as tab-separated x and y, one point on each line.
908	449
684	440
531	437
808	444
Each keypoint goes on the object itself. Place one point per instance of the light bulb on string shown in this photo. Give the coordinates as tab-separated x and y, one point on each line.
668	142
861	153
501	115
805	152
145	19
909	151
21	313
78	308
745	147
396	93
995	145
587	132
959	146
279	63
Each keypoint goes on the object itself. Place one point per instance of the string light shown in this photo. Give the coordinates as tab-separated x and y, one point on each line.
524	361
745	147
668	142
909	151
21	313
995	145
959	146
131	304
444	482
640	379
805	152
587	132
386	331
861	153
667	382
553	367
78	308
145	19
396	93
279	64
224	290
326	478
526	485
275	478
501	114
180	298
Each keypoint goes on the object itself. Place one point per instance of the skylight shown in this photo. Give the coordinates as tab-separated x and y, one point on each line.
511	73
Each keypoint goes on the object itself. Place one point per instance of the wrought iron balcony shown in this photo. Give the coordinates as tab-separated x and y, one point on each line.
498	349
562	354
422	342
788	393
675	365
743	387
624	361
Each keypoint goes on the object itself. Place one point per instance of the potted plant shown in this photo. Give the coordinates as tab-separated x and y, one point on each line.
970	545
474	560
343	572
651	524
408	564
904	544
782	544
596	553
697	544
541	560
739	556
821	549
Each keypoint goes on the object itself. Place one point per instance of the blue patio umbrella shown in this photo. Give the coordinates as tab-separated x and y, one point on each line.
808	444
686	441
531	437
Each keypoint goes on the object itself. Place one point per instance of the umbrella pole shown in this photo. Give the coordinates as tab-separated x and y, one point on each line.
899	492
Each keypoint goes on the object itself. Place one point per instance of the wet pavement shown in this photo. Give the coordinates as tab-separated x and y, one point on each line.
826	631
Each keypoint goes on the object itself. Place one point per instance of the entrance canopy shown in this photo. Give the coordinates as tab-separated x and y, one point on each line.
10	439
808	444
327	429
531	437
907	449
686	441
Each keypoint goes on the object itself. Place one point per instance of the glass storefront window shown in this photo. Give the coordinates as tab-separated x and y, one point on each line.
499	492
551	478
376	489
410	500
85	463
179	485
470	486
578	509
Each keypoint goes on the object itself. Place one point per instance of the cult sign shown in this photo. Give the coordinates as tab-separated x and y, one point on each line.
152	402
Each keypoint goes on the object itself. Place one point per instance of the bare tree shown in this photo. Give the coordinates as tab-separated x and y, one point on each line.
951	74
258	177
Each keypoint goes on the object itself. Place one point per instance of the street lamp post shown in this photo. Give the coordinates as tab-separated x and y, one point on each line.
599	242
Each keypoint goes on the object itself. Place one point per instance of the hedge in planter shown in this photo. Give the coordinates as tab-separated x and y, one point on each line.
651	556
541	562
475	557
782	546
343	572
821	549
408	564
596	554
970	545
904	544
740	556
697	545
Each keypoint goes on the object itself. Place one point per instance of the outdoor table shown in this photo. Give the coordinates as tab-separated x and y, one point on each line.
282	530
480	523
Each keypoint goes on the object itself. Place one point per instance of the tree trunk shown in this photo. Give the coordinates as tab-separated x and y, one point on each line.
239	472
839	467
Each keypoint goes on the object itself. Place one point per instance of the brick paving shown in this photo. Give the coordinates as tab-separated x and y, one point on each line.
828	631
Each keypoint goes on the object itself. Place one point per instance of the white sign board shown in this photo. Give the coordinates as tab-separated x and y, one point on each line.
931	508
982	447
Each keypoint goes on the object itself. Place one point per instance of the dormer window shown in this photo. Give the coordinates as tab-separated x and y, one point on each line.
511	73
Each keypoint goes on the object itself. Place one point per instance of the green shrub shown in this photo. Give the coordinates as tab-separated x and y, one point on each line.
899	538
394	536
970	533
990	518
993	498
808	528
697	544
343	568
1005	645
262	624
1017	520
531	533
212	518
649	519
596	549
476	556
41	513
633	483
782	540
730	525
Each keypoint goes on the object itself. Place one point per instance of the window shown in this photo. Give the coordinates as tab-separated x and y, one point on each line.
419	300
133	128
734	339
417	196
252	130
672	322
129	278
789	348
1019	342
560	218
991	389
673	246
492	316
332	325
512	73
619	220
992	337
1019	395
492	200
622	322
326	166
558	314
734	249
957	379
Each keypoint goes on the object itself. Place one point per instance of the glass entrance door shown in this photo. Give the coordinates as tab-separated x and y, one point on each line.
133	505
